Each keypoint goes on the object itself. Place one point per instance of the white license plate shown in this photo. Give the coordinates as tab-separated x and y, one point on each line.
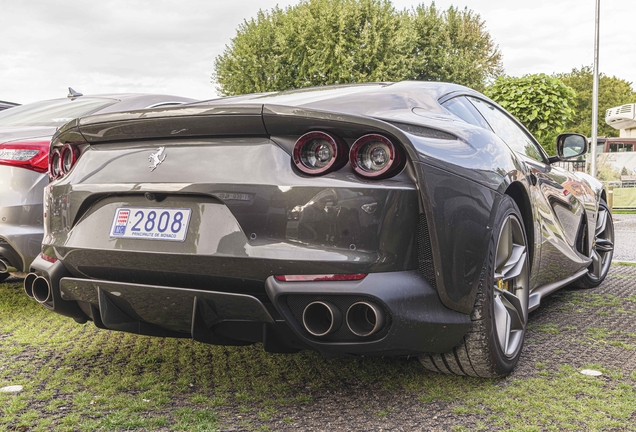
151	223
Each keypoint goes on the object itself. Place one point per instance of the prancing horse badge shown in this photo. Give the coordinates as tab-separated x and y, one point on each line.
156	158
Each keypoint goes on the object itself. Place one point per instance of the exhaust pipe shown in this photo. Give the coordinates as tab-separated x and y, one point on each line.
365	319
321	318
28	284
41	290
5	267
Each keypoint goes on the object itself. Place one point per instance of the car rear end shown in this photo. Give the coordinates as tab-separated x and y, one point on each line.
25	139
23	176
226	224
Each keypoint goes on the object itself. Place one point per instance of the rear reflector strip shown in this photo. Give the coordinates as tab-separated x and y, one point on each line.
48	258
315	278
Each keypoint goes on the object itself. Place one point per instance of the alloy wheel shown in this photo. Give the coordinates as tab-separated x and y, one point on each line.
603	246
510	287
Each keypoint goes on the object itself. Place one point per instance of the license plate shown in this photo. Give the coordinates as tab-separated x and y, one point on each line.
151	223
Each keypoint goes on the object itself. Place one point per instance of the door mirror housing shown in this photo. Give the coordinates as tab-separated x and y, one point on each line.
569	145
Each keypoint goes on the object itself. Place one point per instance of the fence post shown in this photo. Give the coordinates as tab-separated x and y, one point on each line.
610	197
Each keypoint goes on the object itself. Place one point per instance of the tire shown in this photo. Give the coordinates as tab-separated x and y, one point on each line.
4	276
493	344
602	250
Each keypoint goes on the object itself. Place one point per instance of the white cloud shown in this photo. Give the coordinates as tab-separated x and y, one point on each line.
169	47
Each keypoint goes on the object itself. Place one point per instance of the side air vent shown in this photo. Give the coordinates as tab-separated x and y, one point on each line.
424	131
424	252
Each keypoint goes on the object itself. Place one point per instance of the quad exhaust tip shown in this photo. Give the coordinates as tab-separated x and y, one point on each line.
365	319
321	318
28	284
41	290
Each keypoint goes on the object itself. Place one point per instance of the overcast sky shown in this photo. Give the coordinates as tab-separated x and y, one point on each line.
169	46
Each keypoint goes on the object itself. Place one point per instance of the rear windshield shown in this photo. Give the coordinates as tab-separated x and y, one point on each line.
51	112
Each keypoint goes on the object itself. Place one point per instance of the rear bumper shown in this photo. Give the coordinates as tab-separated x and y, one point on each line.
21	210
416	321
20	245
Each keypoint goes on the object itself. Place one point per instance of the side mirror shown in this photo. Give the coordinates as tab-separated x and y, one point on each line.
570	145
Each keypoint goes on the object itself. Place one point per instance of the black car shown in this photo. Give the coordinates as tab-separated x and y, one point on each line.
406	219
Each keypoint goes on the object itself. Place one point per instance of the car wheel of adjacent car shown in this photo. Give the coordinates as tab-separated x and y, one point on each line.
602	249
492	346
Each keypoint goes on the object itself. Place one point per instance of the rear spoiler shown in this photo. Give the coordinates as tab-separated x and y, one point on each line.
173	122
232	120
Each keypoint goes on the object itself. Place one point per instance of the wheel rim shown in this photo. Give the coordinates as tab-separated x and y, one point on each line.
603	246
510	299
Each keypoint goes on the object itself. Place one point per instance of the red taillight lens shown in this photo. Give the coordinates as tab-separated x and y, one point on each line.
62	160
374	156
33	155
318	153
324	277
55	168
68	157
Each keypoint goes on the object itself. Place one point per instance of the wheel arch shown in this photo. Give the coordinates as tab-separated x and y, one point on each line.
519	194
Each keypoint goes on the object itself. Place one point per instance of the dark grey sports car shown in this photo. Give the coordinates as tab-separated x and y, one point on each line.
413	218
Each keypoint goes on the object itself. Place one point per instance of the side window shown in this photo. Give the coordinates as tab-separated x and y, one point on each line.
465	111
508	130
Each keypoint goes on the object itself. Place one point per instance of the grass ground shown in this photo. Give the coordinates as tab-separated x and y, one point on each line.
77	377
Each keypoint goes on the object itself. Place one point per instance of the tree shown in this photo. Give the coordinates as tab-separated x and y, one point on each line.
316	42
454	46
320	42
613	92
542	103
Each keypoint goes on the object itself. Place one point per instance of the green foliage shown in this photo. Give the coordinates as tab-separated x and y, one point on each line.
453	46
542	103
322	42
612	92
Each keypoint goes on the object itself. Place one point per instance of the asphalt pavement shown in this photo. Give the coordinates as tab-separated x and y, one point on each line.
624	237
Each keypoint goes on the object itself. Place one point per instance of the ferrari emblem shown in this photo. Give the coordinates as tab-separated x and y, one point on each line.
156	158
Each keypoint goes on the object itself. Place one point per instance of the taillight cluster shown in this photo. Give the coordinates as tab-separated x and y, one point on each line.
371	156
62	160
32	155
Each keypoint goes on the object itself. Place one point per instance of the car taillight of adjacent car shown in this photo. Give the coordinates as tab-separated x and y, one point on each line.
32	155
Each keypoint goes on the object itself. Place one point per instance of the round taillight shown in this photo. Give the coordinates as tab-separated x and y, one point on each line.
54	165
374	156
68	157
317	153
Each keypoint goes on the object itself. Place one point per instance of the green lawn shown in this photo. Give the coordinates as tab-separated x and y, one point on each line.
625	197
77	377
